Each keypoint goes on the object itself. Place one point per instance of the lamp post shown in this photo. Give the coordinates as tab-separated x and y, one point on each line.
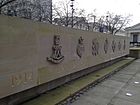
94	17
72	9
107	23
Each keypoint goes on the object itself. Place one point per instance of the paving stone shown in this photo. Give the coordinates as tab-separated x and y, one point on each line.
112	84
102	91
129	71
84	101
135	91
121	77
119	101
94	100
113	90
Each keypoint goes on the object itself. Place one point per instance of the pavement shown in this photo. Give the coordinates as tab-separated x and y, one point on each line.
123	88
59	95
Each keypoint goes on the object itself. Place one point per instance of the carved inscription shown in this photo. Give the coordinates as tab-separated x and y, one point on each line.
56	56
113	46
21	78
106	44
80	47
95	47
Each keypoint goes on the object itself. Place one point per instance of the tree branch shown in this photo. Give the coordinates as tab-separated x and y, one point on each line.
7	2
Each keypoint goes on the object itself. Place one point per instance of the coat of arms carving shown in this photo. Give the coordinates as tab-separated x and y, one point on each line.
113	46
119	45
95	47
80	47
56	56
124	45
106	44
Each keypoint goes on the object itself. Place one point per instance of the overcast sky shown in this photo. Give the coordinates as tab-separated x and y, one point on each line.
123	7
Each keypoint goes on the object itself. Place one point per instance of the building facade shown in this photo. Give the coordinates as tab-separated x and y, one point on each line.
134	33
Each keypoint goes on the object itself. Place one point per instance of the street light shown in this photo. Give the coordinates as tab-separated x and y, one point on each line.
72	9
94	17
107	23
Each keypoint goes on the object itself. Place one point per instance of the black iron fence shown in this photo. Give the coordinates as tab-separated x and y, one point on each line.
134	43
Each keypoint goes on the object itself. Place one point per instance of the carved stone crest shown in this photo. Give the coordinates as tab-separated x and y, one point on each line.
113	46
80	47
124	45
56	56
106	44
95	47
119	45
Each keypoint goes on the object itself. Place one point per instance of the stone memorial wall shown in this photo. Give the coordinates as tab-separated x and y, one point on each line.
33	53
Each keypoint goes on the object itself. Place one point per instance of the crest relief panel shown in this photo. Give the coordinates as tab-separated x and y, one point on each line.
106	45
80	47
95	47
56	56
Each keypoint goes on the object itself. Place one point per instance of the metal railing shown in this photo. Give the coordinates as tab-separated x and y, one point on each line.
136	44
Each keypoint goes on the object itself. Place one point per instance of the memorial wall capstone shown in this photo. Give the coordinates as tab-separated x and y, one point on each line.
33	53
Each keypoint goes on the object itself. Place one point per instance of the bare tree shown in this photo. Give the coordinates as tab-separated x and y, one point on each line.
91	19
30	9
42	11
4	3
20	8
115	22
80	19
62	15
